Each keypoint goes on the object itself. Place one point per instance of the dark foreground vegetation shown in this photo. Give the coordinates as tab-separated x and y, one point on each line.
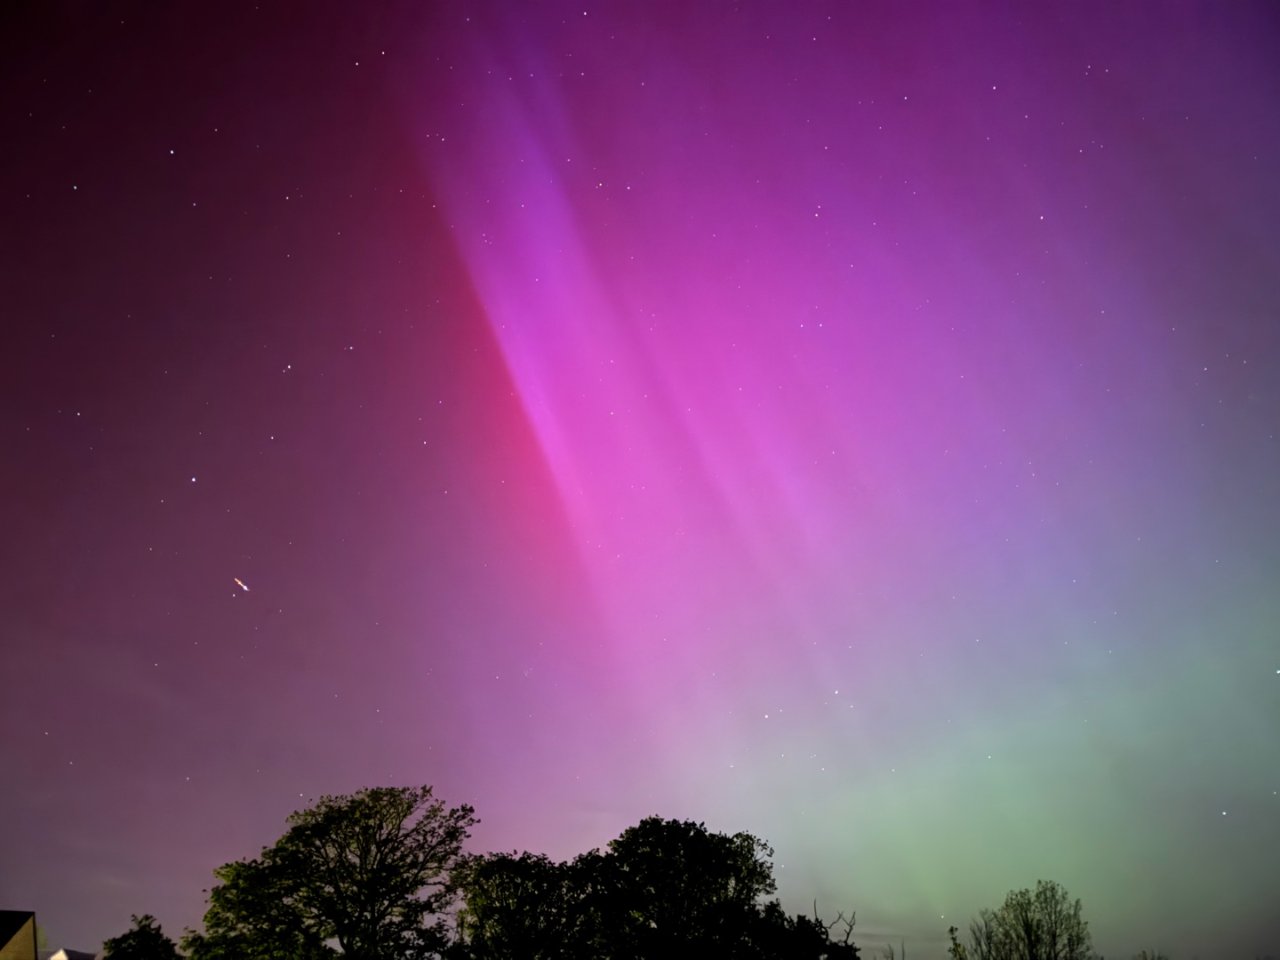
381	875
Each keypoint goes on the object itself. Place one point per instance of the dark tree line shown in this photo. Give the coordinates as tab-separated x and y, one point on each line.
664	888
381	875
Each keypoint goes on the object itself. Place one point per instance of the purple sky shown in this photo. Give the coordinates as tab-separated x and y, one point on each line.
851	423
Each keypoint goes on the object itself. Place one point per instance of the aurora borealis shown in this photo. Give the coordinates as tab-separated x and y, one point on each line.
851	423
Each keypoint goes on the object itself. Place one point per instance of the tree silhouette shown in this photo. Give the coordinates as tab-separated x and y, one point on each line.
251	916
664	888
377	875
675	881
369	872
146	941
519	906
1044	924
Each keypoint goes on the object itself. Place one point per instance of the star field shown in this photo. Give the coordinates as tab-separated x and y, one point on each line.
854	424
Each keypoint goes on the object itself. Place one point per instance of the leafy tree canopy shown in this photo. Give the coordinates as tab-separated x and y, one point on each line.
664	888
520	905
368	872
146	941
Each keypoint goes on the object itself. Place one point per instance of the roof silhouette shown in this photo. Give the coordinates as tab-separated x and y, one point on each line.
12	923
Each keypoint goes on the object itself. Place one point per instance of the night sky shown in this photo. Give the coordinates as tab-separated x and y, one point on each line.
853	423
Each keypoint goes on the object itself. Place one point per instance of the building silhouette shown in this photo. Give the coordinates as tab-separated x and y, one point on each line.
17	935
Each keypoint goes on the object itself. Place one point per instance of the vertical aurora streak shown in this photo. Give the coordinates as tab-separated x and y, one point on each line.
871	353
